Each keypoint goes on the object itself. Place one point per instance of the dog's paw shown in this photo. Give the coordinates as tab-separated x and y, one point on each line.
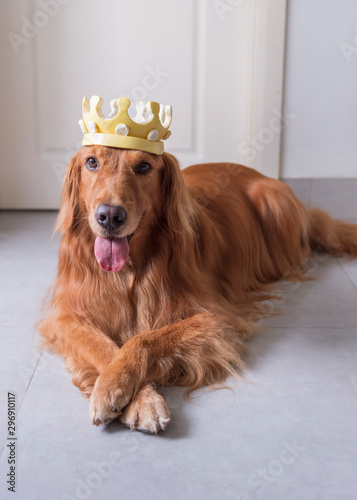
147	412
111	393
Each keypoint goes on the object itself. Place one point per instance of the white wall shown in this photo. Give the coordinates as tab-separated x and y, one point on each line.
321	90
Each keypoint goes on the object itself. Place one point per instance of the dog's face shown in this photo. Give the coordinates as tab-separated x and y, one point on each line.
119	188
119	193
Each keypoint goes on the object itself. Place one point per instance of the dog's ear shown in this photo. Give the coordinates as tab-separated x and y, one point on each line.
178	210
69	209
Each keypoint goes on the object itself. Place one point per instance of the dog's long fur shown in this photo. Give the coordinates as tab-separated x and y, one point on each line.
208	242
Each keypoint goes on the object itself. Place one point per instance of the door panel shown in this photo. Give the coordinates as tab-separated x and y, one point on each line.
206	58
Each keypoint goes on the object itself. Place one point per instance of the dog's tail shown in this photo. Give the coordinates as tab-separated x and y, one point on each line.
335	237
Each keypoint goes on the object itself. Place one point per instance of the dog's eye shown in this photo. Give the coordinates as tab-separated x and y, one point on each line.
92	163
143	168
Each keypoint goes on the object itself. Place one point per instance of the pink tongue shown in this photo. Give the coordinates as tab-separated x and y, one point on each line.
111	253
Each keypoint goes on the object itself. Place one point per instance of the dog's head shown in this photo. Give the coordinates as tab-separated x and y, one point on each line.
119	195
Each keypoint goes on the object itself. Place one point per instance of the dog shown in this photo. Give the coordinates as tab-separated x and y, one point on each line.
161	272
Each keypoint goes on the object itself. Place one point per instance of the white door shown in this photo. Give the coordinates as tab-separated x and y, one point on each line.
218	62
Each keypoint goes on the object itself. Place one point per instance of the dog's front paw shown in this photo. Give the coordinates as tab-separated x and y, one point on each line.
111	393
147	412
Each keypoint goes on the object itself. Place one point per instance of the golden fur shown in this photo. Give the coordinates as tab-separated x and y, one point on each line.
207	243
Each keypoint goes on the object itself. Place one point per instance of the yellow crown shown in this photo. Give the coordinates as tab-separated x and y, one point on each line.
144	132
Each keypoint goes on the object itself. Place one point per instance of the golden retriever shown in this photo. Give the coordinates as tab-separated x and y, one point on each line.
160	271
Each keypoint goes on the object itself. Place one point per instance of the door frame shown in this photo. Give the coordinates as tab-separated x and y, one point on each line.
259	138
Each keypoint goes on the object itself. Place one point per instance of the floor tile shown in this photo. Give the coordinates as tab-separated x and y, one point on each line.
27	236
28	263
25	289
350	268
301	188
291	423
286	431
328	300
19	358
337	196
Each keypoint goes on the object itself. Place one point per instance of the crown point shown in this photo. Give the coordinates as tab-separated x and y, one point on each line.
153	135
166	116
92	127
119	129
85	105
114	110
123	103
154	107
83	126
122	129
95	100
140	112
167	135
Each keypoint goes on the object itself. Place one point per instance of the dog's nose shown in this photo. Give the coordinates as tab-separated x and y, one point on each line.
110	217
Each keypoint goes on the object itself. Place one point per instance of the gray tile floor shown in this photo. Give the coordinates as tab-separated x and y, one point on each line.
287	432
